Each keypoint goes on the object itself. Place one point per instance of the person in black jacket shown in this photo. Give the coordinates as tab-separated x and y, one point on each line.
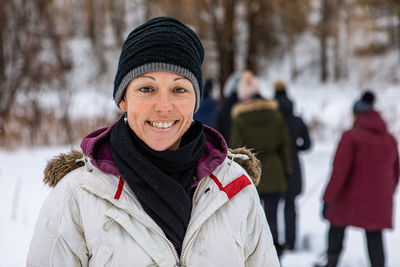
300	141
208	106
222	118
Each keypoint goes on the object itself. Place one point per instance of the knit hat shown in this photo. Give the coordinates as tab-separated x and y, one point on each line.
365	103
248	86
279	86
160	44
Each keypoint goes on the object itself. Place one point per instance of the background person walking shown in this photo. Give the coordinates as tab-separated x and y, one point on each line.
364	178
258	124
300	141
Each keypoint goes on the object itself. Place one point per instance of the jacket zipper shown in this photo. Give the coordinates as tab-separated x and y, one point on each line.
169	243
179	260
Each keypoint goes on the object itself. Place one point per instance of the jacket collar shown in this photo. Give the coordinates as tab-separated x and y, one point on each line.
96	146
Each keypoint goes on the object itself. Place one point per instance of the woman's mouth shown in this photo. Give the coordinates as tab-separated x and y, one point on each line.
161	124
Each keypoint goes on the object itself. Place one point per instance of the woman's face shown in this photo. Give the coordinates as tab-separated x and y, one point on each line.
159	107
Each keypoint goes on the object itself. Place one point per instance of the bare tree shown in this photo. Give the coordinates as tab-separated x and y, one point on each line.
292	21
324	32
32	54
220	20
117	14
255	19
95	11
336	30
18	54
389	8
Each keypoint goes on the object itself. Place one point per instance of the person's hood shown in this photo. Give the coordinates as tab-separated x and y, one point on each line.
96	147
371	120
253	105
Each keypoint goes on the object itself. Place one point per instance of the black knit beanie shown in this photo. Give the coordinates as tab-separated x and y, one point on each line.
160	44
365	103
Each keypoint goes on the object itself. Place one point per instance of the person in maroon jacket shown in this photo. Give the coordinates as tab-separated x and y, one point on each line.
364	178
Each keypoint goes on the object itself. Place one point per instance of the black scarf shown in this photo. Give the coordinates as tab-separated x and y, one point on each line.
161	180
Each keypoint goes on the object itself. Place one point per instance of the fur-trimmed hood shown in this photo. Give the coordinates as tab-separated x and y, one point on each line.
254	105
100	156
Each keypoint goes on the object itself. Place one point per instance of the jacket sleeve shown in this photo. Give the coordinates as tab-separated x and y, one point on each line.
342	165
58	239
259	250
284	149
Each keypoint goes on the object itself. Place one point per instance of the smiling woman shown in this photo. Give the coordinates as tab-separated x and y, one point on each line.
155	188
159	107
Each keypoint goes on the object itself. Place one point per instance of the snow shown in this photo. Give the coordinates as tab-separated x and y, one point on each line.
21	195
22	191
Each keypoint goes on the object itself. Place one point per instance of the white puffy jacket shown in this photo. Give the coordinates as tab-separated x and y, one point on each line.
83	223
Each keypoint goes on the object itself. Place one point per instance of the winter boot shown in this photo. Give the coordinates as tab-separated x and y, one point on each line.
328	261
279	249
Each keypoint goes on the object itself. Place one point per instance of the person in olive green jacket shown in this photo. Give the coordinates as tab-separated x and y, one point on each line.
257	124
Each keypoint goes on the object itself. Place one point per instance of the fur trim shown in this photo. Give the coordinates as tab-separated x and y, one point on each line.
253	105
251	165
59	166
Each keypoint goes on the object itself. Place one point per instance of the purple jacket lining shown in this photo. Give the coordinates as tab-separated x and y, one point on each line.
96	146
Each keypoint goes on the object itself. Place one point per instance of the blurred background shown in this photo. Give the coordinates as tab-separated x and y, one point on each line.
58	57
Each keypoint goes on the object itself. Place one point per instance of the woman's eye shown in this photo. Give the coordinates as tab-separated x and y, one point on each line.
180	90
146	89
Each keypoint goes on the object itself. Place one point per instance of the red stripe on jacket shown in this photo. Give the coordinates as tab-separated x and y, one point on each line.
233	187
120	187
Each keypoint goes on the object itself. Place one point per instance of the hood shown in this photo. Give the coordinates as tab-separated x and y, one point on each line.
254	105
372	121
96	147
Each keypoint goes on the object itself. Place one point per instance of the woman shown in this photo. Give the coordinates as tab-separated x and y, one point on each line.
155	188
258	124
363	181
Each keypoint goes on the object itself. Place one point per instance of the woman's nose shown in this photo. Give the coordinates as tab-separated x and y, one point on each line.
163	103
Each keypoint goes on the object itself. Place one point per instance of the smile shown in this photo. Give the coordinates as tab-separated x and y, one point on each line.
161	125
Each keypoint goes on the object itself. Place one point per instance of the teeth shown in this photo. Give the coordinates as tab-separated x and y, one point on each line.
161	125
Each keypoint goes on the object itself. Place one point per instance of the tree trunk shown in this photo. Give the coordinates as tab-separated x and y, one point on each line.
254	14
336	55
398	27
95	28
292	58
252	47
227	60
117	14
3	30
324	34
223	33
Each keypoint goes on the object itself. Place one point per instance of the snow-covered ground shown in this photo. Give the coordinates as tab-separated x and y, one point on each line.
22	191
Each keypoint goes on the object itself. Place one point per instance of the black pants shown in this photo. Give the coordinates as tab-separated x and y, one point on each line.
374	242
290	222
270	202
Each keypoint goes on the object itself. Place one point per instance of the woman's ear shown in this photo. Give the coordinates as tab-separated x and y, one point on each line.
122	105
